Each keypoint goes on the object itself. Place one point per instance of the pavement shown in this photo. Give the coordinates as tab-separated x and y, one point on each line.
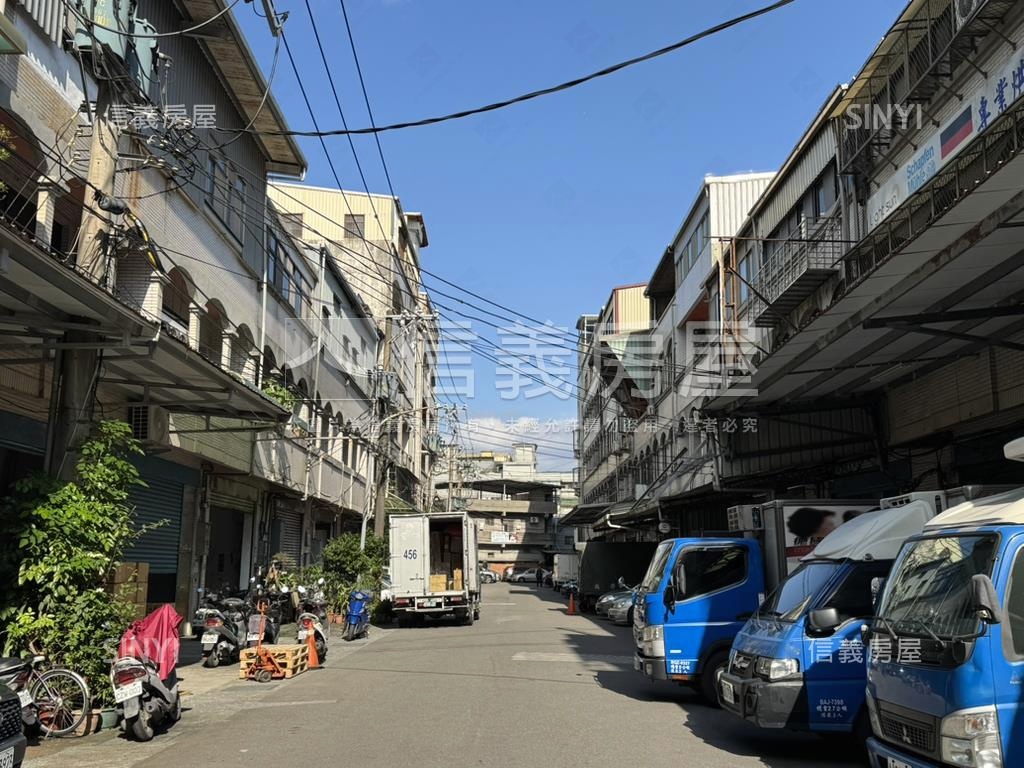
526	686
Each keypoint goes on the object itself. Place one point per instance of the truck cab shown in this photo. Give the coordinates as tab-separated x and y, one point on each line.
946	666
694	598
799	662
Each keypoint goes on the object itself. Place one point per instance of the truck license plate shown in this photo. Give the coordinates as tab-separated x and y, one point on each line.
25	698
894	763
128	692
7	758
729	695
210	638
430	603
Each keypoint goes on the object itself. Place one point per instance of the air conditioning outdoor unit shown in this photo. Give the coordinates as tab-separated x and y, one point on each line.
149	424
965	10
745	517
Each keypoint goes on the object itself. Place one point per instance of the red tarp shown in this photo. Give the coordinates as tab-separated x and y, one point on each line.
155	637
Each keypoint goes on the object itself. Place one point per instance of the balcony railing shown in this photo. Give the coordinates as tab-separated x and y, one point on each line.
795	270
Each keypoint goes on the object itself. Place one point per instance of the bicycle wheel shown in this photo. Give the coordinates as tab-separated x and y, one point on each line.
62	697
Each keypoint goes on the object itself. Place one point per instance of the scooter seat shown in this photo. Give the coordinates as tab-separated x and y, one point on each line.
11	664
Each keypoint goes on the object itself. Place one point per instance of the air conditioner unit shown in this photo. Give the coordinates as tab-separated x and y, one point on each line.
935	499
964	11
149	424
745	517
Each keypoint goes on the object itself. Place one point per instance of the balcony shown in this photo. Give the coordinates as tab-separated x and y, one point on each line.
513	507
795	270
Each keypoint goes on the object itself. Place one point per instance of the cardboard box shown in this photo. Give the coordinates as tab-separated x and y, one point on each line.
457	579
438	582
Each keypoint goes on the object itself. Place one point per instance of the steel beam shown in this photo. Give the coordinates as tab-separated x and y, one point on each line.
952	316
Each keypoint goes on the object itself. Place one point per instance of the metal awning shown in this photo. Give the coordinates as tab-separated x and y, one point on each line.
947	293
583	514
498	484
44	304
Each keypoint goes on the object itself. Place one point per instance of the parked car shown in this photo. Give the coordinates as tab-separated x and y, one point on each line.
605	601
12	739
488	576
529	575
621	610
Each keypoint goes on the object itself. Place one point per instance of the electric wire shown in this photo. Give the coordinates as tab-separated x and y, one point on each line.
147	36
713	30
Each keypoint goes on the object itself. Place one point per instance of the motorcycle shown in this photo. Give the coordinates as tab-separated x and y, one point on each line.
143	676
357	615
225	629
269	623
313	618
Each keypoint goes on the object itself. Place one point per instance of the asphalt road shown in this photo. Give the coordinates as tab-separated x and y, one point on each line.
526	686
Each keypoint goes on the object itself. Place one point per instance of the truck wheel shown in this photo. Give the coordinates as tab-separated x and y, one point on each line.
403	621
713	669
468	618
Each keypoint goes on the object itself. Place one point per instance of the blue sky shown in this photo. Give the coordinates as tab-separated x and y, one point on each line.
545	206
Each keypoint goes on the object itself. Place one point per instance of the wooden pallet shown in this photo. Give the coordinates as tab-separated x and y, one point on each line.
294	659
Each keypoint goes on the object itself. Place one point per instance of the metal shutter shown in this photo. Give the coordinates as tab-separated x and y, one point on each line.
48	14
161	500
291	533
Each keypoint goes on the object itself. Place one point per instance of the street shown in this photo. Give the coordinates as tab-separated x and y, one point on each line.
527	685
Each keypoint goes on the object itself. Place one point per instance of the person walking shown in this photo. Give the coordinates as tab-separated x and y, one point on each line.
540	575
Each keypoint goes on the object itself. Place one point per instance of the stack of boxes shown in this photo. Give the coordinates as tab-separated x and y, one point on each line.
445	554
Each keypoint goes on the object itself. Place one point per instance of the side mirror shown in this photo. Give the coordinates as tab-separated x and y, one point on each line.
622	582
670	598
877	586
823	619
984	600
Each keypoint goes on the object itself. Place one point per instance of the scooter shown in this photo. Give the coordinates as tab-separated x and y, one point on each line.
271	626
143	676
313	618
357	616
224	633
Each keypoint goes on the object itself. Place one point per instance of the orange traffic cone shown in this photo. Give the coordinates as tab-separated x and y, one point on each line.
572	604
314	659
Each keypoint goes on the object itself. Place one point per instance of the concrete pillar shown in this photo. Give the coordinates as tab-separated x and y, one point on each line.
71	411
252	365
195	316
46	199
153	301
227	339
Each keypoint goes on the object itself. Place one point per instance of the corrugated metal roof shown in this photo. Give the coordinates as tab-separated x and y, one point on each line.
48	14
732	197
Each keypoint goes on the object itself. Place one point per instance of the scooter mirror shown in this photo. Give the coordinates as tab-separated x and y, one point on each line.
252	579
321	581
284	590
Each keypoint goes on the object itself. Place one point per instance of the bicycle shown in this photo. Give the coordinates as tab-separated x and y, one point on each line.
56	698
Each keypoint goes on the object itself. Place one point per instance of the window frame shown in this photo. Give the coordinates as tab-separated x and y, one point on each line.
680	566
1009	646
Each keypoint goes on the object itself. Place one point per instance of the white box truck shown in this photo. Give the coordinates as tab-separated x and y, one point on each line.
435	567
566	568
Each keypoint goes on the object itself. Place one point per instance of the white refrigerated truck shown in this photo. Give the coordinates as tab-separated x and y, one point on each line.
434	567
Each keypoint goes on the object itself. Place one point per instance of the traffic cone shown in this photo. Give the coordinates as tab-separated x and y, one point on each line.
314	660
572	604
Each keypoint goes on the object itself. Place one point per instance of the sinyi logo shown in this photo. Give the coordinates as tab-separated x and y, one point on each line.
883	117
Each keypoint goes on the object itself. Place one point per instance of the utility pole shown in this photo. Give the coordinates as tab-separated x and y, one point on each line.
103	154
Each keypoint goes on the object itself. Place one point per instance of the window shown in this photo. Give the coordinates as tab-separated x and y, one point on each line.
825	193
217	184
1015	605
691	252
788	601
707	570
236	210
745	278
355	224
300	294
853	598
275	267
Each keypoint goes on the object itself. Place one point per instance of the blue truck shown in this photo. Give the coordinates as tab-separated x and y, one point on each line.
946	669
800	662
698	592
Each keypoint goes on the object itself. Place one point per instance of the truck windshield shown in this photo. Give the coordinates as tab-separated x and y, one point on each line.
929	592
793	595
657	567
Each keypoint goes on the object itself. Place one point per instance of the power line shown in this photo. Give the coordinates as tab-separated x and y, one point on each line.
544	91
147	36
366	97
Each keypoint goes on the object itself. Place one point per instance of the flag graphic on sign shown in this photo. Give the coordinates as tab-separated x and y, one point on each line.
957	132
